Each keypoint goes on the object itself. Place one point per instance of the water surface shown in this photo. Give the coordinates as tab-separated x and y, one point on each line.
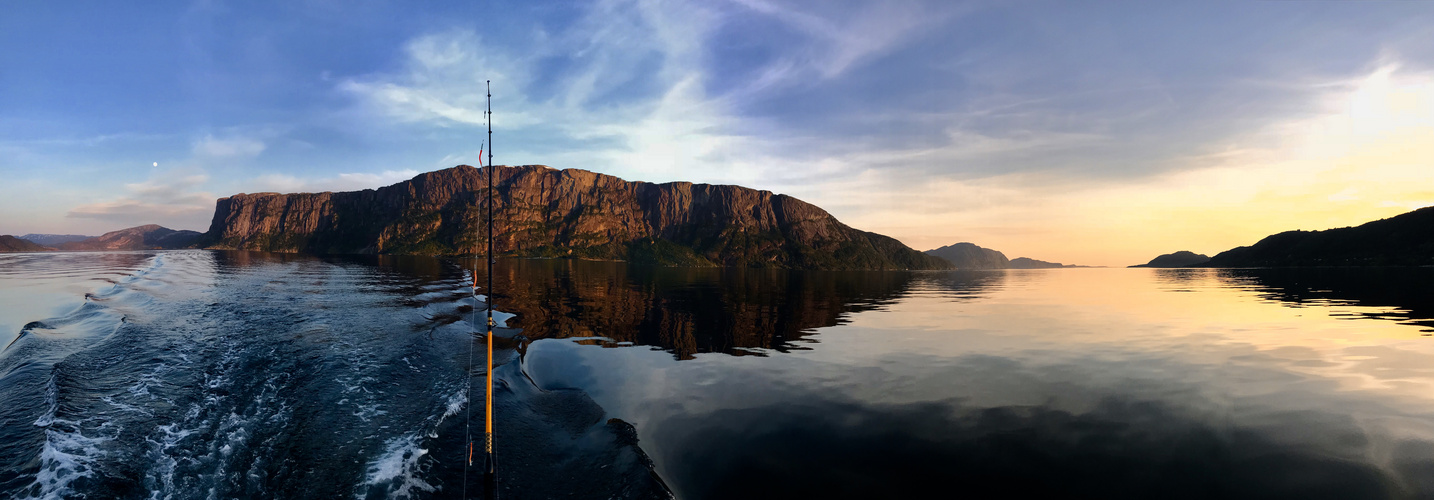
194	374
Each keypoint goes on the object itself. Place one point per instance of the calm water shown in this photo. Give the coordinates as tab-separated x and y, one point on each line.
195	374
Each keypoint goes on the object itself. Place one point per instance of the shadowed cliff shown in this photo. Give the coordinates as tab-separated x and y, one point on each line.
545	212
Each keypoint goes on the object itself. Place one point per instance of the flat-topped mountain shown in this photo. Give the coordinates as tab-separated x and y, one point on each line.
969	256
1402	240
1183	258
546	212
146	237
10	243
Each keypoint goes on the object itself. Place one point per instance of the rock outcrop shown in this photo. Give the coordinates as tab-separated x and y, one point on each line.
1402	240
10	243
969	256
545	212
146	237
1183	258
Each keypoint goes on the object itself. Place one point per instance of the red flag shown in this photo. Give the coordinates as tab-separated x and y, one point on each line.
480	157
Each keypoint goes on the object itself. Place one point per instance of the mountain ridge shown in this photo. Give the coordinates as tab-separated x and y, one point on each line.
546	212
1402	240
146	237
1182	258
13	244
965	255
53	240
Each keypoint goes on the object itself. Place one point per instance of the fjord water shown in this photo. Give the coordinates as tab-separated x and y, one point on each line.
198	374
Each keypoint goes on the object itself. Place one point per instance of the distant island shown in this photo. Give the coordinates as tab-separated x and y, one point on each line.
967	255
550	213
1402	240
970	256
1028	263
1183	258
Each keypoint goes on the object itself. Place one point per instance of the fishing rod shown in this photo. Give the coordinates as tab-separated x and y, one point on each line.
490	474
490	478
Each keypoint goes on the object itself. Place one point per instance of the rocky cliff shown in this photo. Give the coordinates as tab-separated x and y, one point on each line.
146	237
545	212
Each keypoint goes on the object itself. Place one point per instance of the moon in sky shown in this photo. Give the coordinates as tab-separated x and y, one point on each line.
156	164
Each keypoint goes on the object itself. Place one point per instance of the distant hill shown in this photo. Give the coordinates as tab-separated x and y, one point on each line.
1028	263
551	213
1402	240
969	256
10	243
147	237
1182	258
54	240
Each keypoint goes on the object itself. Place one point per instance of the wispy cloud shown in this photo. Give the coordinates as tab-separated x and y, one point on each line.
227	147
342	182
845	37
170	199
631	96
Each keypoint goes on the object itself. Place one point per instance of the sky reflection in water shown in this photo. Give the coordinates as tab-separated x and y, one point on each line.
1076	382
1072	383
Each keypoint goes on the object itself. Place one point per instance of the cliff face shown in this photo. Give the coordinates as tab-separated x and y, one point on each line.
544	212
1402	240
969	256
147	237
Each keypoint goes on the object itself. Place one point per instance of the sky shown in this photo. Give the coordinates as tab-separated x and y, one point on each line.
1096	133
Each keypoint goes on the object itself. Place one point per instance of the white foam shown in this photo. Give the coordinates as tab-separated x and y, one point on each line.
396	471
455	404
67	455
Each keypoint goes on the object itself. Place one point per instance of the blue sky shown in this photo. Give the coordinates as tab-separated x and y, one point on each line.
1016	125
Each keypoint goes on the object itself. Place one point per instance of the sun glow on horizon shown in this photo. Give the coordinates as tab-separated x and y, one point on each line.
1367	155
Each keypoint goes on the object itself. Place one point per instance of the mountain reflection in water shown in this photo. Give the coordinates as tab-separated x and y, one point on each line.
256	375
688	311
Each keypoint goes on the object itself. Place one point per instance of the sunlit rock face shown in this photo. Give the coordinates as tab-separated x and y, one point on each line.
546	212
